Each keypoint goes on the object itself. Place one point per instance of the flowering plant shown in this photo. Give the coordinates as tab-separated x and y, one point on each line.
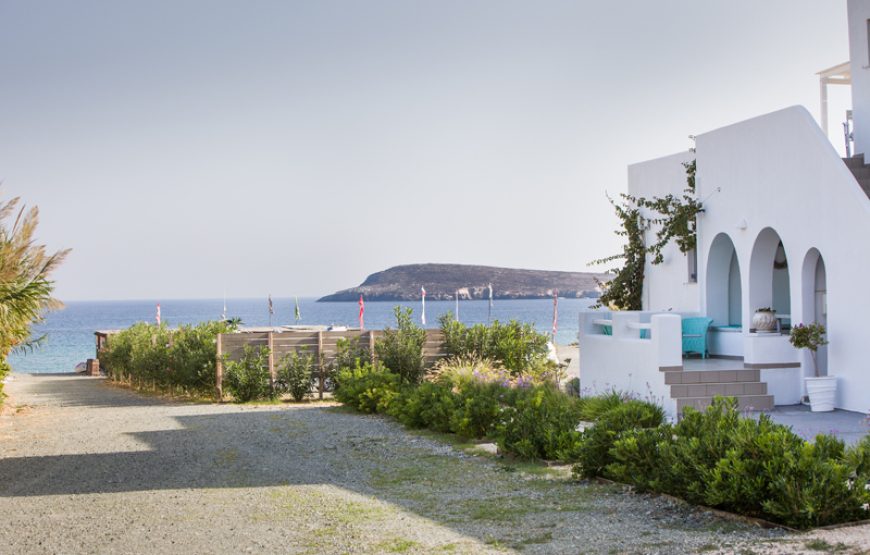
811	337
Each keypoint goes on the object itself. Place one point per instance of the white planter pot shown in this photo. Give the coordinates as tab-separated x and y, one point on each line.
764	321
822	392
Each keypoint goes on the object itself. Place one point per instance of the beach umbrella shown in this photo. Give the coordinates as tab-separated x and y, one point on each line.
362	311
423	301
297	314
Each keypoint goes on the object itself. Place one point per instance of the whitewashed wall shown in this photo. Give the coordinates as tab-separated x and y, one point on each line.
666	285
779	171
859	14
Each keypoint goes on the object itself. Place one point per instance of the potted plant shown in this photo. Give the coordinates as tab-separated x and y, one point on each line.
822	390
764	320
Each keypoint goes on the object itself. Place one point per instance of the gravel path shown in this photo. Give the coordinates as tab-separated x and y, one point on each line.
90	468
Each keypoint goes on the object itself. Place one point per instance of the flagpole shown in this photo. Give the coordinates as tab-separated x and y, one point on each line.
423	301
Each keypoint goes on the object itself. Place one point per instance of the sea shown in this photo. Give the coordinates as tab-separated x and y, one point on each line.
68	334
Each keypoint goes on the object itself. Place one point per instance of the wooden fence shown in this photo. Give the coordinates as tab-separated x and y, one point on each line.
323	345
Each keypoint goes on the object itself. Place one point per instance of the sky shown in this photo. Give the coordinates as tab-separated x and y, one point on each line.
191	149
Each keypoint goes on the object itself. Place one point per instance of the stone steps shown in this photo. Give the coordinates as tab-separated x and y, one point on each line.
744	402
673	377
696	388
860	170
731	389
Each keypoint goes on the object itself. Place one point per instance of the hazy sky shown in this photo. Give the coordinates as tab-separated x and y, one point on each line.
185	148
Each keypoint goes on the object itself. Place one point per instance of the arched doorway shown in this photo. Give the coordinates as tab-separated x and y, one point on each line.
724	290
769	284
814	300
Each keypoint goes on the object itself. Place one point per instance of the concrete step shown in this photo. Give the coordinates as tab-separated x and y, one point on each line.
731	389
744	402
673	377
855	161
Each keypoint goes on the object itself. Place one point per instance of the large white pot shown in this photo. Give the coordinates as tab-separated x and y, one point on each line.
764	321
822	392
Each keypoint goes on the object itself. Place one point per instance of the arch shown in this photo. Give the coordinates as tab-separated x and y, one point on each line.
769	284
724	289
814	292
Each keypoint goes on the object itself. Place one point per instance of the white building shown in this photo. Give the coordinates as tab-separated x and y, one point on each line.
786	224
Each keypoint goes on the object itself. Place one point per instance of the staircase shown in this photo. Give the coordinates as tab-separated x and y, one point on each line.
696	388
860	170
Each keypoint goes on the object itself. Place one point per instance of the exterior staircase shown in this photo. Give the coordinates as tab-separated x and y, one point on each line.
696	388
860	170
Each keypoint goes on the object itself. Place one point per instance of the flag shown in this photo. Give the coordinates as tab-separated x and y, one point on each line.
423	300
555	315
489	310
158	314
297	314
362	311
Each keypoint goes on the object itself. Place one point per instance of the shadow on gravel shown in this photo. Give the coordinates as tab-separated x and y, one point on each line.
250	447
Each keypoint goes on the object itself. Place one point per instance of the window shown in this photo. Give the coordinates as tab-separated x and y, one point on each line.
692	258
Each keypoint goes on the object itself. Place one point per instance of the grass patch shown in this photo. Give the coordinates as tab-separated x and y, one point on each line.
397	545
824	546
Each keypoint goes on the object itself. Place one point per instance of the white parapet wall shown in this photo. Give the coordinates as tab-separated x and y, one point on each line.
632	358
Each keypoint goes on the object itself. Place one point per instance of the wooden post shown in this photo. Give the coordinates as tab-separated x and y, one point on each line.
320	376
272	376
219	371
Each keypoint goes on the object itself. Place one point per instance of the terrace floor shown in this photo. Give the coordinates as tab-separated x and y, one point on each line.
846	425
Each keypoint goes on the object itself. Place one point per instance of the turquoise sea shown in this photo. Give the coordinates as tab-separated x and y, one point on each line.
70	332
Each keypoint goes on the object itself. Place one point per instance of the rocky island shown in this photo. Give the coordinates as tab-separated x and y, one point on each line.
443	281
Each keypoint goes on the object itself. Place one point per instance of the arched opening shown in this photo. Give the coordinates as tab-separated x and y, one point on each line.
769	284
724	289
814	298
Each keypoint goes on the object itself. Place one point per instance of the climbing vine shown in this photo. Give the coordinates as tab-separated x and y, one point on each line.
624	291
676	218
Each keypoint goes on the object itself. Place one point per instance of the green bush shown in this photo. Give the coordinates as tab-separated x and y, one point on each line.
401	349
248	378
594	451
515	345
479	407
591	408
541	423
296	374
146	354
752	467
368	388
193	357
429	405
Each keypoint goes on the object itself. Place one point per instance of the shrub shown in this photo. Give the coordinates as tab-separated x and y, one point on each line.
594	451
296	373
479	408
429	405
401	349
248	378
158	356
192	355
540	424
367	388
515	345
591	408
753	467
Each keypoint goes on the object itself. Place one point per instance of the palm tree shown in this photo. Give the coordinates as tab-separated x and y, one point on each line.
25	284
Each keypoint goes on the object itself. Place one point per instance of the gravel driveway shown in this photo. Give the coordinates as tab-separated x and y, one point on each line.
90	468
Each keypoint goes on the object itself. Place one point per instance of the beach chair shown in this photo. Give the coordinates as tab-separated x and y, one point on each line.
695	335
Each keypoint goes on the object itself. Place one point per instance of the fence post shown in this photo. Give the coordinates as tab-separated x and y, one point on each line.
320	364
219	370
271	340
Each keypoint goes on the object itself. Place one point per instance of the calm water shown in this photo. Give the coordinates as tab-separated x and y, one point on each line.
70	332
